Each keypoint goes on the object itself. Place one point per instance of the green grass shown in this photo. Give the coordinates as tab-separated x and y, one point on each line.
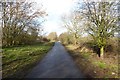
85	55
101	65
17	61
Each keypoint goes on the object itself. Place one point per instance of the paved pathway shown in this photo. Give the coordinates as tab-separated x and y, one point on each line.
56	64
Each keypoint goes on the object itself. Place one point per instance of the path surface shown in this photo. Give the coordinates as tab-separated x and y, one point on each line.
56	64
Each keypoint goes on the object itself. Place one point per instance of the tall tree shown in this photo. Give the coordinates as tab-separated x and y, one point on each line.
73	23
101	19
65	38
52	36
18	21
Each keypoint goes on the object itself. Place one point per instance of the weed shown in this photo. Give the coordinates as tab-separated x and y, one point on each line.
86	55
101	65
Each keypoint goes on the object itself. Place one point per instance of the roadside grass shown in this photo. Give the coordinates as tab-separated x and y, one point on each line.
91	65
101	65
17	61
86	55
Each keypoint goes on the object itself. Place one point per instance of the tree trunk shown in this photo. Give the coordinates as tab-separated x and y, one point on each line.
101	51
75	42
75	36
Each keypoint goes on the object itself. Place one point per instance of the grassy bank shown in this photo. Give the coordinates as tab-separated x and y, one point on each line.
93	66
18	61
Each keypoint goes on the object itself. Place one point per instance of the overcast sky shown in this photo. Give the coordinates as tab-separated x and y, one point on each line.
55	9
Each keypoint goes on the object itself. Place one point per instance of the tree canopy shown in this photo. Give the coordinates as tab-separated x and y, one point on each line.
19	22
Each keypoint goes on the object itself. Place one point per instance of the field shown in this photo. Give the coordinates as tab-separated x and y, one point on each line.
18	61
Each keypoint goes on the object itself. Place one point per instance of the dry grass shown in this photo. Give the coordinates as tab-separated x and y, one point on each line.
93	66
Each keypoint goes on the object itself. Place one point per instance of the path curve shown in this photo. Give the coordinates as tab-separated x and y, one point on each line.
56	64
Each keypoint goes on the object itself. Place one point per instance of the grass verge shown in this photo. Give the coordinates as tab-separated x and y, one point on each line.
18	61
93	66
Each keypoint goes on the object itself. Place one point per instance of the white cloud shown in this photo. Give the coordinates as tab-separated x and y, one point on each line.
50	26
55	9
58	6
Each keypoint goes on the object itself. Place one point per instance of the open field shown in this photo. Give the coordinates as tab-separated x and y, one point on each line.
17	61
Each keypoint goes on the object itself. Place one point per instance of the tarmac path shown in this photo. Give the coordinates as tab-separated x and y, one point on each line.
56	64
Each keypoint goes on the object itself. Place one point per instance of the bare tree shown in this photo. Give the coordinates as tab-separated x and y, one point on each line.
65	38
101	19
52	36
19	20
73	23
